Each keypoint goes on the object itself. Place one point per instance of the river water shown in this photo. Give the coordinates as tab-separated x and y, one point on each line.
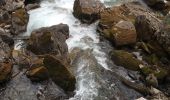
95	73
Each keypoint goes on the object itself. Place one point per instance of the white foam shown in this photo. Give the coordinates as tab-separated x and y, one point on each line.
53	12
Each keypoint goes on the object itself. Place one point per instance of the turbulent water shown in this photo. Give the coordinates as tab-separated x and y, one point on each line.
95	73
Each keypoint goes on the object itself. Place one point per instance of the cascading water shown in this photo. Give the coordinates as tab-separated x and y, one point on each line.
95	80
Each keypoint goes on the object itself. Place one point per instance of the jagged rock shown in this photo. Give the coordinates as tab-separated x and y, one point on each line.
125	59
87	10
59	73
19	21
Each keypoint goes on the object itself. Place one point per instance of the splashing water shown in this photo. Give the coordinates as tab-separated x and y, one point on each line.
92	72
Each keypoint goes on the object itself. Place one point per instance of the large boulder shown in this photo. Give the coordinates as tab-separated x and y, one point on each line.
146	26
113	17
19	21
50	40
87	11
59	73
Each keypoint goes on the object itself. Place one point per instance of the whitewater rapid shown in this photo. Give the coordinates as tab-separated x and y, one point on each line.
94	81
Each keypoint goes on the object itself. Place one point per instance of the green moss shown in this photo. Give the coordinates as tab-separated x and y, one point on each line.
125	59
160	73
151	59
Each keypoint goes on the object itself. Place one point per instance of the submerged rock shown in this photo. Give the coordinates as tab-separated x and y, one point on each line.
59	73
87	10
19	20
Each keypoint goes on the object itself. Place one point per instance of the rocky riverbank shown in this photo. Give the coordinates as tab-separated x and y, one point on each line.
139	35
131	27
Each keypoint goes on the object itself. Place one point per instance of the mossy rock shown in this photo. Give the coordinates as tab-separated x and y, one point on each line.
151	59
59	73
159	73
125	59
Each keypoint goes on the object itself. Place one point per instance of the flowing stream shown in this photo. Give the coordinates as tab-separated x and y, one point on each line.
94	71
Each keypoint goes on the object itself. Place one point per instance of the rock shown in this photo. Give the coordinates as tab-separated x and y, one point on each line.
38	74
19	20
124	33
26	2
126	13
7	38
87	10
59	73
32	6
146	26
157	95
159	72
125	59
5	71
156	4
50	40
5	17
151	80
163	36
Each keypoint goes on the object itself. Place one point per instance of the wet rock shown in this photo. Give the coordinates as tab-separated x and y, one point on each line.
126	13
38	74
125	59
32	6
5	71
59	73
146	26
156	4
50	40
26	2
19	20
87	10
